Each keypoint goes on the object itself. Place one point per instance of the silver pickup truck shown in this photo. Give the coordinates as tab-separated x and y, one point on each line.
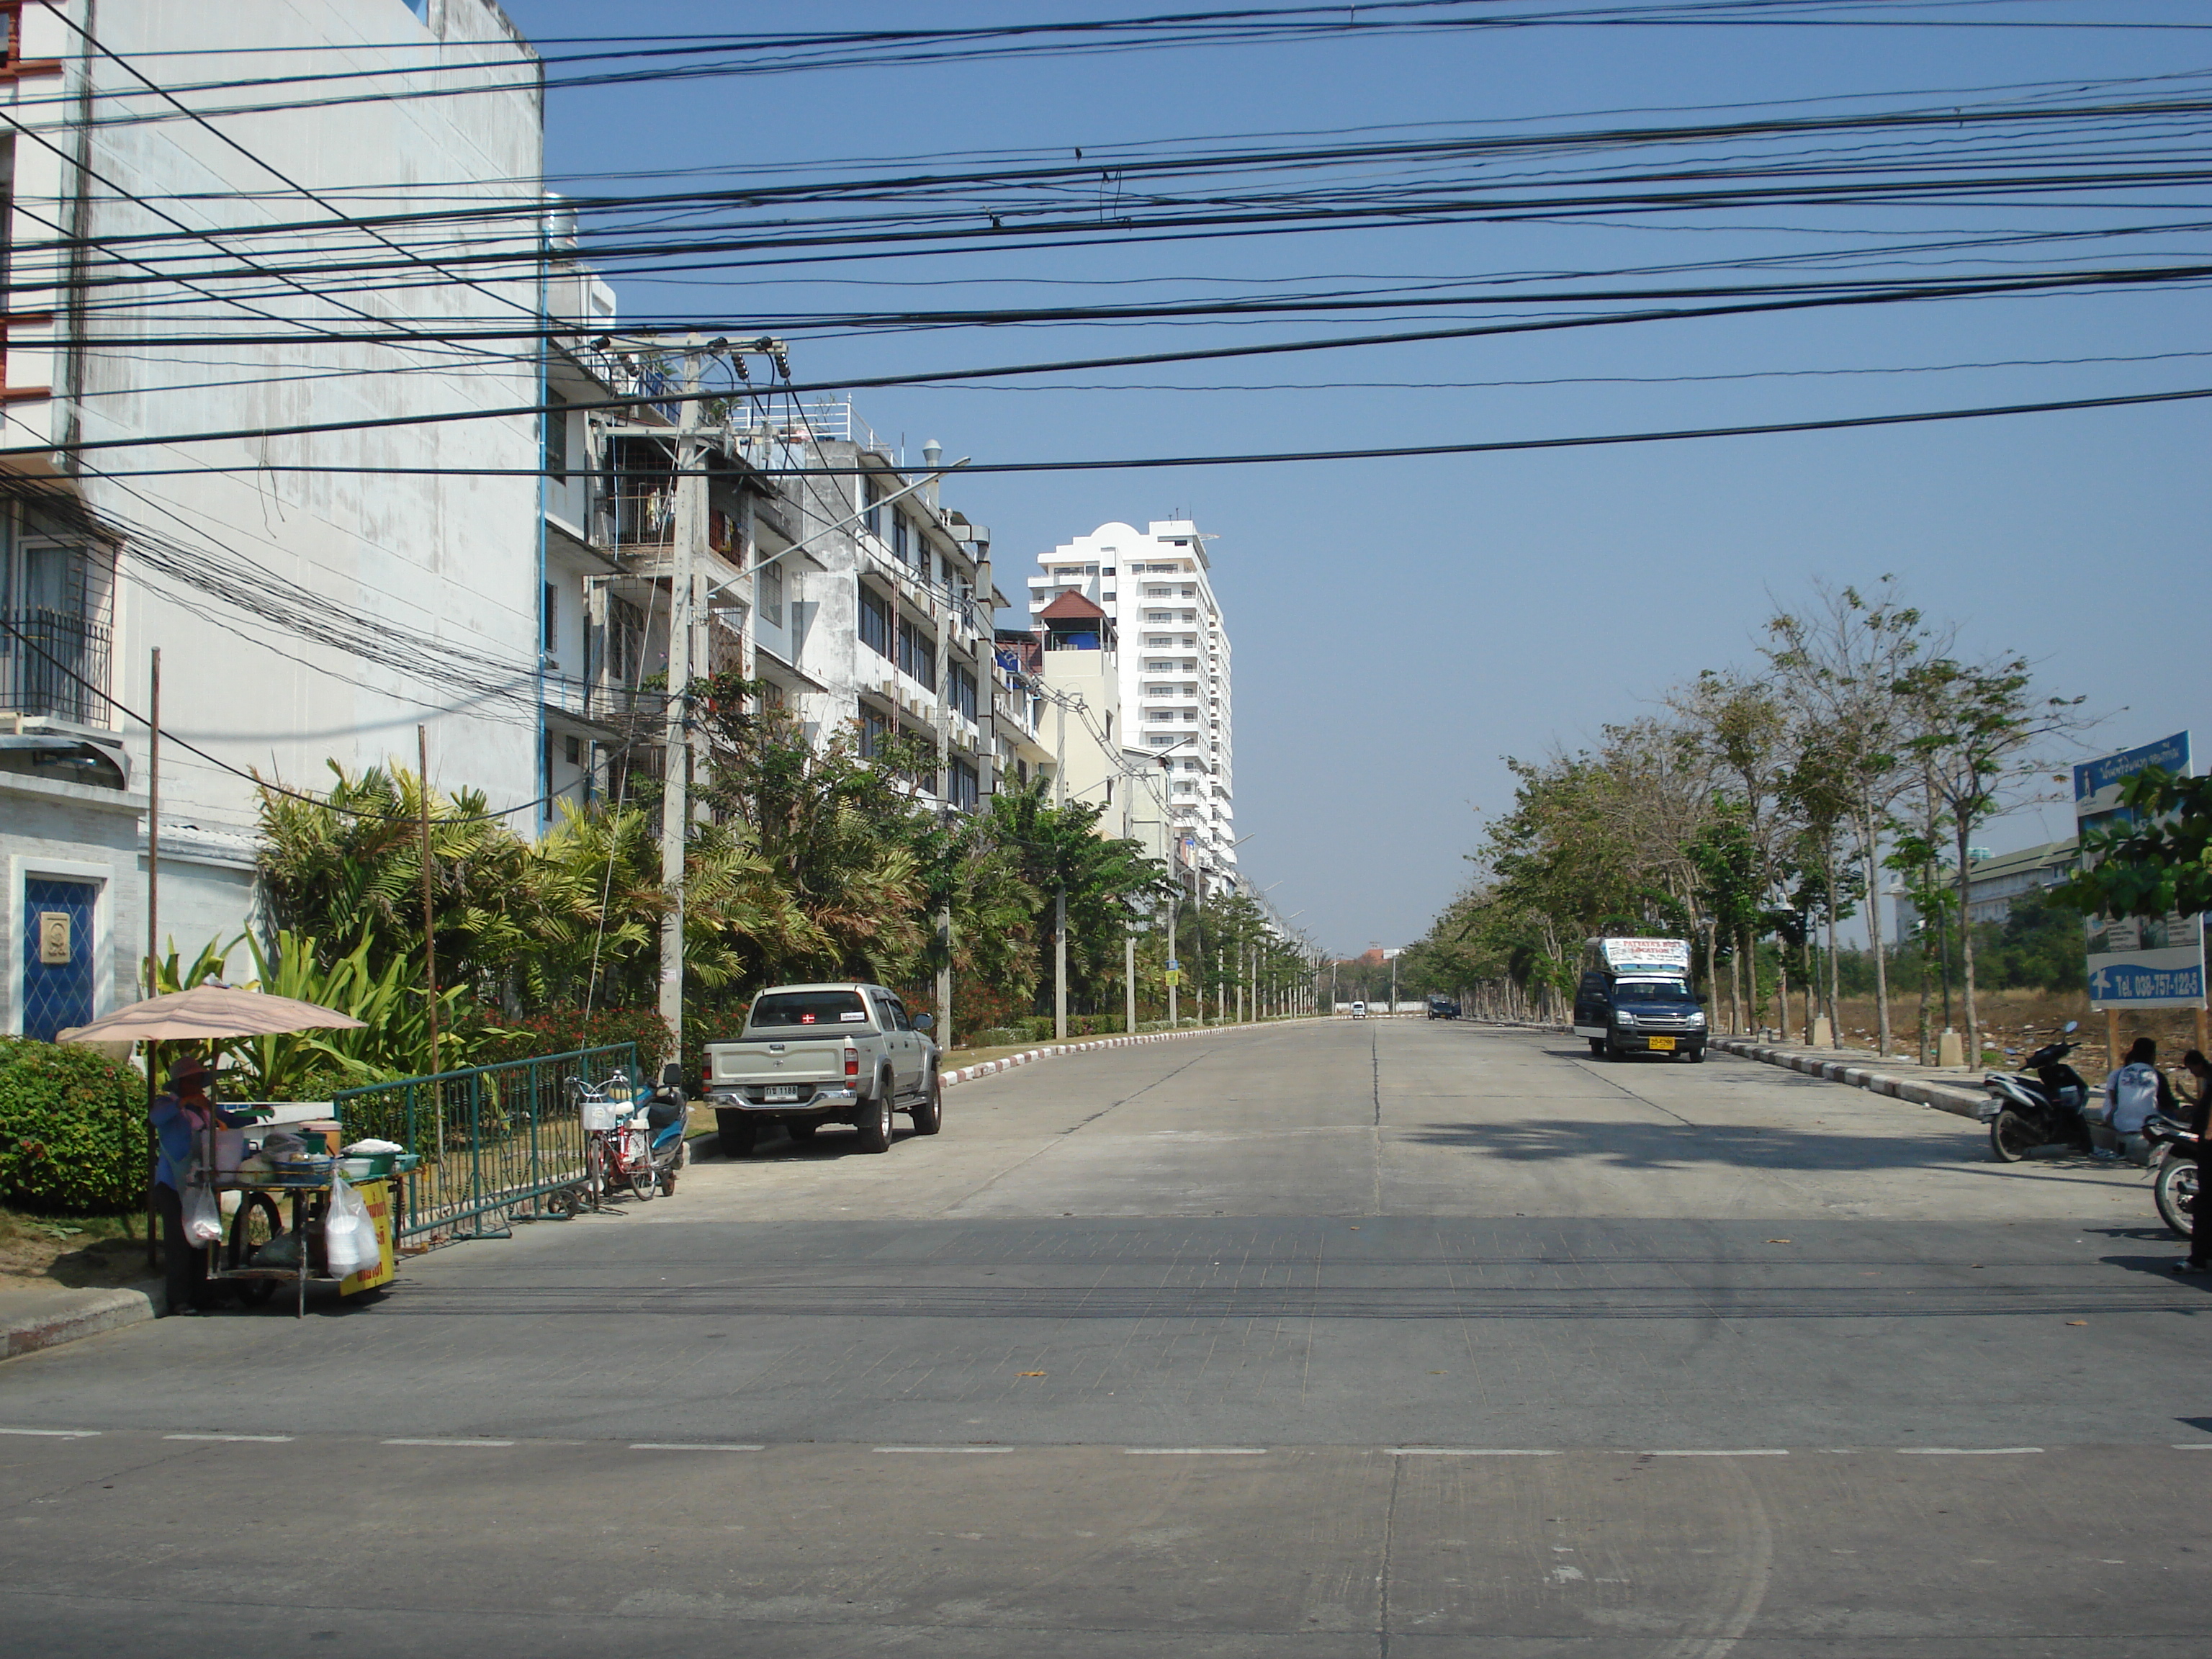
812	1054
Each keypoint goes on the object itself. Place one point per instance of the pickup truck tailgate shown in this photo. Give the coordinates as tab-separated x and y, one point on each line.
777	1072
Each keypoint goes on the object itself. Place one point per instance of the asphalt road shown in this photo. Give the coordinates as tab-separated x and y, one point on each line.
1376	1339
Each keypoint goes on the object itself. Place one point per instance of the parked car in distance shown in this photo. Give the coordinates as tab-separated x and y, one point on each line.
1443	1008
1359	1010
811	1055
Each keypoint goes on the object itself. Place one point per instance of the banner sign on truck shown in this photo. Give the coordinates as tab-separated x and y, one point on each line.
1647	955
2135	962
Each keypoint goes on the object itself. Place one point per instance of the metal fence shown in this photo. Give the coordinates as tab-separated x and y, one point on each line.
494	1141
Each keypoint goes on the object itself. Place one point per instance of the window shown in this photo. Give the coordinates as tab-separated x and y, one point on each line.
899	535
963	691
549	639
966	788
574	748
874	728
767	593
875	623
781	1008
917	652
872	515
557	436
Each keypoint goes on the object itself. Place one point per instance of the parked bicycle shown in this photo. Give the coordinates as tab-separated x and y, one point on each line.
633	1139
617	1144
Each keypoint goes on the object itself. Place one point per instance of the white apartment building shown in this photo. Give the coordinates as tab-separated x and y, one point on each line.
1176	709
314	599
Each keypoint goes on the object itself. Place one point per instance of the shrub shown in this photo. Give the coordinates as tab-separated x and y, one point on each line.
564	1030
73	1133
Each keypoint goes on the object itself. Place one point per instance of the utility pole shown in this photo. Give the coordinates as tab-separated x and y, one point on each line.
1060	963
1129	977
675	742
1174	893
429	915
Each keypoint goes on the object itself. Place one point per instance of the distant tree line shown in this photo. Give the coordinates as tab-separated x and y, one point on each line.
1755	809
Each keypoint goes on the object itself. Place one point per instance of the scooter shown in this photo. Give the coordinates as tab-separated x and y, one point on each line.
2047	1109
667	1112
2173	1170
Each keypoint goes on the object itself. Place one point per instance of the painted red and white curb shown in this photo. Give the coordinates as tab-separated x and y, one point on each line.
1053	1050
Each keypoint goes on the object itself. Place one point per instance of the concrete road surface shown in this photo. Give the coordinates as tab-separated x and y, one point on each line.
1386	1338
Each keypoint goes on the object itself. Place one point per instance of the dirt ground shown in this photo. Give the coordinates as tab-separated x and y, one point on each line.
2014	1021
75	1252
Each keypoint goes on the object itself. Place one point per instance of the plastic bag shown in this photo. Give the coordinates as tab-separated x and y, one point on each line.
203	1218
348	1234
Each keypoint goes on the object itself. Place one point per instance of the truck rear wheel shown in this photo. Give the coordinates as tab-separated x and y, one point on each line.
875	1124
735	1132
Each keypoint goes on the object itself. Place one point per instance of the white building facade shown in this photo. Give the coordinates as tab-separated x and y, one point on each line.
1176	711
315	595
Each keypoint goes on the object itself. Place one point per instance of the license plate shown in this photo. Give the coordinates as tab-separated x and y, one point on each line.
1661	1045
781	1091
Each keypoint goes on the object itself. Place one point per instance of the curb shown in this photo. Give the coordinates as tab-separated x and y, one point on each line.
987	1068
86	1313
1944	1097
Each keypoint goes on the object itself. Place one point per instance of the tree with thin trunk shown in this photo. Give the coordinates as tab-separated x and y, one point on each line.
1978	727
1841	664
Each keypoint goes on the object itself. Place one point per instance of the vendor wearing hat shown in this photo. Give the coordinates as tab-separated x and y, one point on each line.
181	1117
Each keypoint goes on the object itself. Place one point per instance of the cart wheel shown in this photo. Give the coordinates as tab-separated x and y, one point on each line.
255	1225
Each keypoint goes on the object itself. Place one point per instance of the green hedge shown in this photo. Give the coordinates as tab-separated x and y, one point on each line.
73	1134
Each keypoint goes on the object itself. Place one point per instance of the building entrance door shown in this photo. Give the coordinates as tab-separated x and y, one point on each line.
58	942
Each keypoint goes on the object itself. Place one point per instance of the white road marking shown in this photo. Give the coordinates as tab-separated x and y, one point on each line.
1462	1451
1966	1451
2196	1445
681	1445
449	1443
1195	1451
55	1434
928	1450
1747	1451
259	1439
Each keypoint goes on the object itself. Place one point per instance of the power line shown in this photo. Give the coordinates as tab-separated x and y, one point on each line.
1285	457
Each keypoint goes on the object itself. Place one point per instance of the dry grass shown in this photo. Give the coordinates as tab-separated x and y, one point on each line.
2013	1022
72	1252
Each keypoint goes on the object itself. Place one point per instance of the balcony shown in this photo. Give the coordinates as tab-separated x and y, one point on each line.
56	665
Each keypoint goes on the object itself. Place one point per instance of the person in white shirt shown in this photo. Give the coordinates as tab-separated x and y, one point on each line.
2132	1093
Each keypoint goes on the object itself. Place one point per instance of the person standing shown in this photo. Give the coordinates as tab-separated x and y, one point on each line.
179	1118
2200	1222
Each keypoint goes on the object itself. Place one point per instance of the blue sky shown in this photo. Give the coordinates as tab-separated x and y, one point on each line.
1402	625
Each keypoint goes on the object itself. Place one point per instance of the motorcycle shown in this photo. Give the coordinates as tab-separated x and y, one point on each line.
666	1114
2173	1170
2045	1104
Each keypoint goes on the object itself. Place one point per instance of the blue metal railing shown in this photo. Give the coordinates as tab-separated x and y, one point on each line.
494	1141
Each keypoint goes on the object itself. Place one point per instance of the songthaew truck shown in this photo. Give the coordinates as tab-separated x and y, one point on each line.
1634	998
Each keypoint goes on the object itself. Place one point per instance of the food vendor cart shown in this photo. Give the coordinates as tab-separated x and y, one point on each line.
270	1190
274	1232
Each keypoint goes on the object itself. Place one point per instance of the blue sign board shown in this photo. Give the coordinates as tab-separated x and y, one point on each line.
2137	962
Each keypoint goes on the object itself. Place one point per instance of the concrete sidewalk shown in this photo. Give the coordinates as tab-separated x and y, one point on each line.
1952	1089
42	1318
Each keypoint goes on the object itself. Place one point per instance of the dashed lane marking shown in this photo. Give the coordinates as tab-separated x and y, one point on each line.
930	1450
54	1434
1967	1451
1195	1451
449	1443
1464	1451
256	1439
687	1445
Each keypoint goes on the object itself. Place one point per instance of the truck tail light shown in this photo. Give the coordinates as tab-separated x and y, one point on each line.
852	1060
